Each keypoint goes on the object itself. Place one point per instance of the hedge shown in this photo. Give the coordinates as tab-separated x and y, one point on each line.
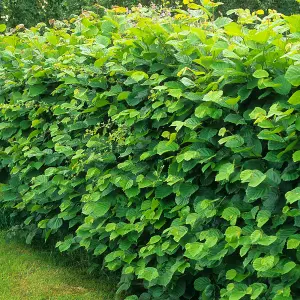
166	146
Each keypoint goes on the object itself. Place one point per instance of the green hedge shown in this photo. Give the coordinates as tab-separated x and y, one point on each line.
30	13
168	146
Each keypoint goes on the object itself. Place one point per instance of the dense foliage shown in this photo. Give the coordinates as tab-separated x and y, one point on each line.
31	12
284	6
168	146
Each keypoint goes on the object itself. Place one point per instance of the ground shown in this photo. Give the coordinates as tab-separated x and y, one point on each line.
27	273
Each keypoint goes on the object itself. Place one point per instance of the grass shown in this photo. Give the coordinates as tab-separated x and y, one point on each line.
28	273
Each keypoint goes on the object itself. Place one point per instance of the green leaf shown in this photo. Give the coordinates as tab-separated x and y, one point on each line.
233	232
186	189
230	274
213	96
293	195
231	214
148	274
237	295
123	95
165	146
2	27
273	177
260	74
295	98
263	217
257	112
97	209
163	191
222	21
36	90
100	61
264	264
188	155
132	297
267	240
293	243
233	141
285	86
293	75
192	218
193	250
288	267
53	39
178	232
64	149
176	93
55	223
154	239
103	40
201	283
187	82
253	177
139	75
92	172
296	156
225	171
100	249
257	289
204	110
65	245
233	29
235	119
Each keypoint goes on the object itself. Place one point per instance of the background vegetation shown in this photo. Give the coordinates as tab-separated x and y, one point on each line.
30	13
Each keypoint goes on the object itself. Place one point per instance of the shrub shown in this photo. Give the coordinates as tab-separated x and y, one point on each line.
168	146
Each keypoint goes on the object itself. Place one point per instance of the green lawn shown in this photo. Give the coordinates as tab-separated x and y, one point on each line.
26	273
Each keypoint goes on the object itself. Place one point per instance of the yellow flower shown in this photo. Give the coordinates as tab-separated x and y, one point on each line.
119	9
260	12
194	6
180	16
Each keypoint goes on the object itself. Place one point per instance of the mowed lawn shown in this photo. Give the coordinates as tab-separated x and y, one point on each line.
27	273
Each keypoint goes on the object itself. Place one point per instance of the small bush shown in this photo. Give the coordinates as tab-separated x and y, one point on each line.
168	145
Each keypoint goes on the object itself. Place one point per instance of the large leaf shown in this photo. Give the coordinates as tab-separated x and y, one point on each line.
293	75
260	74
225	171
55	223
98	208
148	274
2	27
295	98
166	146
264	263
293	195
253	177
36	90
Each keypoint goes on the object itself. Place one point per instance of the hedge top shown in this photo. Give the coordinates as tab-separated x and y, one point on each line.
169	146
